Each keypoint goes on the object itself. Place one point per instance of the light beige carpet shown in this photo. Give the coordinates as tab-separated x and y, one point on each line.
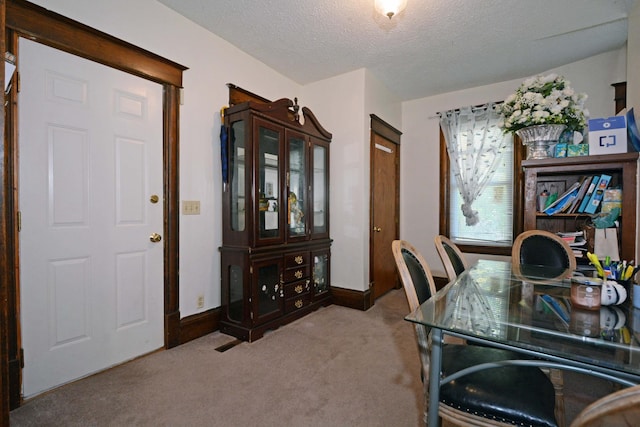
334	367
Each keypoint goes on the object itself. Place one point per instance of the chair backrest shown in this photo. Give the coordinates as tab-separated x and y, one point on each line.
452	258
542	248
414	273
621	408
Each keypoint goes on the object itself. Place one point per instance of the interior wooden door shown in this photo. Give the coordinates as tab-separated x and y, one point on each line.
385	198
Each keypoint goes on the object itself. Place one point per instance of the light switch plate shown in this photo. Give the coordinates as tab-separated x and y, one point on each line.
191	207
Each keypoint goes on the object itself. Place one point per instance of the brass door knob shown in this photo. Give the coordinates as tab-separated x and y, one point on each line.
377	229
155	237
154	198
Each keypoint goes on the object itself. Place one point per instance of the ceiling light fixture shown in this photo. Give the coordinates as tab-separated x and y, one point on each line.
390	7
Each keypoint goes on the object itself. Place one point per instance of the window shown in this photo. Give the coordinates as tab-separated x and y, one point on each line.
498	206
494	206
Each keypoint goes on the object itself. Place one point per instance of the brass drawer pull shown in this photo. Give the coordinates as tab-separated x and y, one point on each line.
298	303
299	259
298	274
298	289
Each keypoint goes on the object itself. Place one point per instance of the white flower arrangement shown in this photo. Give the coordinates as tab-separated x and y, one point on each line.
543	100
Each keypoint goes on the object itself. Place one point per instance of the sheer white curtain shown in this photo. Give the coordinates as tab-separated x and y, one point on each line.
475	144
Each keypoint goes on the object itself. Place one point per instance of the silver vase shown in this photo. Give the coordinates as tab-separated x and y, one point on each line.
539	138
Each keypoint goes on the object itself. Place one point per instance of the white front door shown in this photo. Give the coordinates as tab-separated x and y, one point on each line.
91	280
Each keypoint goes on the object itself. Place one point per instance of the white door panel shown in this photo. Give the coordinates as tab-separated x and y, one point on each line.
91	281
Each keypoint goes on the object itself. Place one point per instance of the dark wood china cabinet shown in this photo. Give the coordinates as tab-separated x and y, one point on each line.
275	242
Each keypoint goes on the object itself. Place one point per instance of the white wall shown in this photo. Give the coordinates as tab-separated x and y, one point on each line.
420	142
343	105
337	103
633	60
381	102
212	63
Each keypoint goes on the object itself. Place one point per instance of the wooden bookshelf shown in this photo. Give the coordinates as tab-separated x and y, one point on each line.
558	174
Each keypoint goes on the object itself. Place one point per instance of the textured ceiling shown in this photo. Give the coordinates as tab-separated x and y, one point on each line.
432	47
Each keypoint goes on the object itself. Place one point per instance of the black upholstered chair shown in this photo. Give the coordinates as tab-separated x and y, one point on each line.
540	253
452	258
504	396
543	253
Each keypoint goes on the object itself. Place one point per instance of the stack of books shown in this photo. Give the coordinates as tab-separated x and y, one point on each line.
577	241
584	196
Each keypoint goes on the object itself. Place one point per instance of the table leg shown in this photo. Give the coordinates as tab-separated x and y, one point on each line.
434	377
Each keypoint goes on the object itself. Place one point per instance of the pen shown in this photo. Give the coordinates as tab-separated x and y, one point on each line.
596	263
625	335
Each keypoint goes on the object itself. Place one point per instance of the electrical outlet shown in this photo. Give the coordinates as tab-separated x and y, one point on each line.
200	301
191	207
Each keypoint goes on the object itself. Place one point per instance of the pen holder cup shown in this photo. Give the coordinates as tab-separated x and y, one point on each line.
635	314
626	283
636	295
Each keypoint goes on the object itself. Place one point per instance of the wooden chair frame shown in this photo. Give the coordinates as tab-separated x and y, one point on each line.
621	408
441	243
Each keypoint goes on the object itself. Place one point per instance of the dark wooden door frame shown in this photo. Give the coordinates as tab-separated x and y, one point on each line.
390	133
5	265
24	19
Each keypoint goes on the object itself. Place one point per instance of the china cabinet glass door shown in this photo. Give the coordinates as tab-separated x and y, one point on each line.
268	181
320	193
236	293
320	275
268	290
236	175
297	185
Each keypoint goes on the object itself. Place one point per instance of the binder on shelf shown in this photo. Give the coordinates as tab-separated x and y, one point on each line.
598	194
567	205
584	184
563	202
588	194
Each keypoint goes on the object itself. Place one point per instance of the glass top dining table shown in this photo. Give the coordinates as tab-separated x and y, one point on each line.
528	309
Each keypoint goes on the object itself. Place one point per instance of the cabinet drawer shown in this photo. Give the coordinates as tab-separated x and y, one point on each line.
296	303
295	289
296	260
295	274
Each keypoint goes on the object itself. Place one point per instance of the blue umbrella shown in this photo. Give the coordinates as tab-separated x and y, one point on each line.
224	140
